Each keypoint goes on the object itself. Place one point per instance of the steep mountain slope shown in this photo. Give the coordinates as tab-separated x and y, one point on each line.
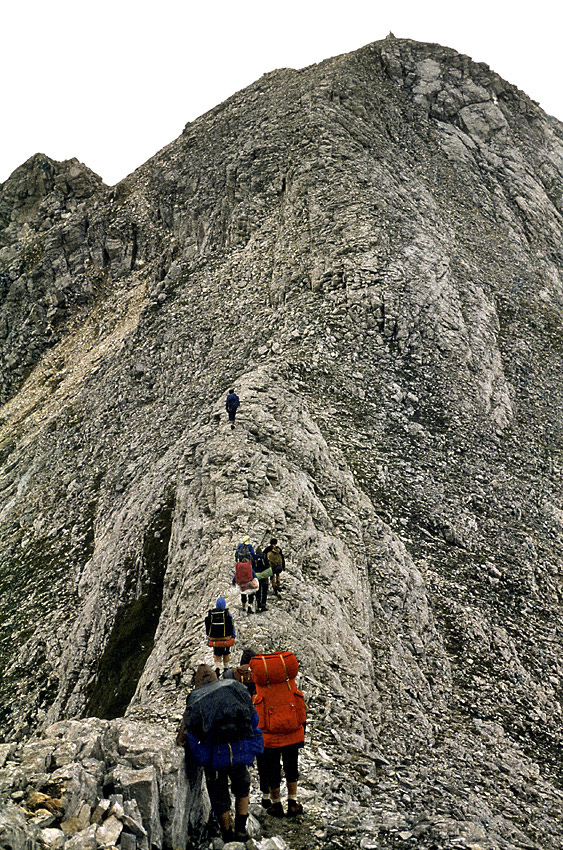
369	250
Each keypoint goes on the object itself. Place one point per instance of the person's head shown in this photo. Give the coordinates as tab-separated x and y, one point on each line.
232	390
273	541
246	540
220	604
204	675
247	654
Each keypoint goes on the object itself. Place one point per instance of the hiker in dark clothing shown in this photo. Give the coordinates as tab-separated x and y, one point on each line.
263	573
232	405
242	673
221	633
276	560
219	731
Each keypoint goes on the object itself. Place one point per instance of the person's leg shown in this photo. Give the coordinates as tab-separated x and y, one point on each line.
290	757
251	597
263	780
272	771
262	594
240	786
218	789
217	656
226	659
243	601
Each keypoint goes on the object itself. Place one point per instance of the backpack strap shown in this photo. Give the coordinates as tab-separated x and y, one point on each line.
266	670
286	675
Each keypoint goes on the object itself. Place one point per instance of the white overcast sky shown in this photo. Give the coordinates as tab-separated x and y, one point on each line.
112	81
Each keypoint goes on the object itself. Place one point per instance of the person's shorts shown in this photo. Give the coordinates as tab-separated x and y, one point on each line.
219	651
218	785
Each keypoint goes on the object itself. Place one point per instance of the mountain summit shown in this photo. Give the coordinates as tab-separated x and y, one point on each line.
369	251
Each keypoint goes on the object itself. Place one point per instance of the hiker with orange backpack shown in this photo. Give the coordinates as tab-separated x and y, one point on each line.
282	715
221	633
245	577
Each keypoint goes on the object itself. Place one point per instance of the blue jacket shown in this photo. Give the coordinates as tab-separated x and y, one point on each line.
233	401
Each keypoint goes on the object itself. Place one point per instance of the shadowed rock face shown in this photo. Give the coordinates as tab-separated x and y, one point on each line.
369	250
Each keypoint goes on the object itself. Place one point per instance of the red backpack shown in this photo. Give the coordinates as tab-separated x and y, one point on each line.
244	577
279	703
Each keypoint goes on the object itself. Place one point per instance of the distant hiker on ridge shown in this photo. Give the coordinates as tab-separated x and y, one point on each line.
221	633
233	403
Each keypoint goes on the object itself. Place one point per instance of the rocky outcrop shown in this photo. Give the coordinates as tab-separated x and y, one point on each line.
369	251
95	783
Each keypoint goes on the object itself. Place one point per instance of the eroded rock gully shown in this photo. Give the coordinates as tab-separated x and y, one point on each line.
369	250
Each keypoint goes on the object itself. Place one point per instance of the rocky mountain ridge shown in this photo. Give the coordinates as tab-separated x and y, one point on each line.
369	250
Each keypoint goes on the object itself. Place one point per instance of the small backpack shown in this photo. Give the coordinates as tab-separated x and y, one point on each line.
243	553
275	559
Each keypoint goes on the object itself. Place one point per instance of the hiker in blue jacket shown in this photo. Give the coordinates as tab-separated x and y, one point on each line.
232	405
219	731
245	551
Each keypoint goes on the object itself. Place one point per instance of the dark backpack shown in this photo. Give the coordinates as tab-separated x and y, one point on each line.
243	553
219	624
220	712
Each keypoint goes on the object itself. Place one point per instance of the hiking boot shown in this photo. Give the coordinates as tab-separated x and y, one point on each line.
265	802
250	611
218	672
276	809
232	427
294	808
263	608
228	835
242	836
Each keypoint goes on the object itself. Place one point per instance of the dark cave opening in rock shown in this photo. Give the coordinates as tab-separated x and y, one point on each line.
132	638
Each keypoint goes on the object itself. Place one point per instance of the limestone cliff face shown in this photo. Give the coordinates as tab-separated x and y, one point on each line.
369	250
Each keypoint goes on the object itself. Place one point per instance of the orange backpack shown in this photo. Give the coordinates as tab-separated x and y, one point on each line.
279	703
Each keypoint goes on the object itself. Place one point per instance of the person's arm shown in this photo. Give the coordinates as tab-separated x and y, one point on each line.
181	737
